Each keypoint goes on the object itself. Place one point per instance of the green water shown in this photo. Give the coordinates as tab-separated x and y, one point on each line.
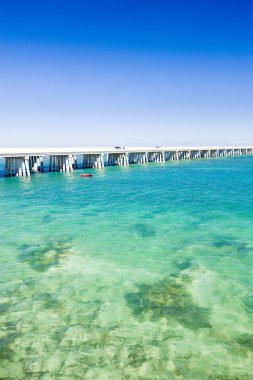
143	272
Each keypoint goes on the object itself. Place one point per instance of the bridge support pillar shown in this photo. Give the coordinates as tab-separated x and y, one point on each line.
120	159
17	166
75	164
156	157
93	161
36	164
61	163
138	158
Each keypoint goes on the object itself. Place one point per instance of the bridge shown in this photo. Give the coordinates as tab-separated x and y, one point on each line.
21	162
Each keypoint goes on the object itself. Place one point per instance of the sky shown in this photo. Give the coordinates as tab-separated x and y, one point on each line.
97	73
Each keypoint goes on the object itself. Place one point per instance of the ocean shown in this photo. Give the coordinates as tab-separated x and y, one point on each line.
140	272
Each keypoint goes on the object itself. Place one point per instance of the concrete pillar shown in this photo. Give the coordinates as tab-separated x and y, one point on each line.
16	166
72	162
52	164
102	161
75	162
41	164
66	163
36	164
19	167
23	168
95	161
11	166
6	167
84	161
137	158
151	157
62	164
122	159
27	166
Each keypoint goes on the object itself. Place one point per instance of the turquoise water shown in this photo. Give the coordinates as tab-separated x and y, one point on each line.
143	272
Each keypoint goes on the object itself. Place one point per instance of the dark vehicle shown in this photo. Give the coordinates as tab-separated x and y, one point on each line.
117	147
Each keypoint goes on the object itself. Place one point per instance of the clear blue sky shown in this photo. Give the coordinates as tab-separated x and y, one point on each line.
145	72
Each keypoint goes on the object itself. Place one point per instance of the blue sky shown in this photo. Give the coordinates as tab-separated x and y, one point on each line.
142	72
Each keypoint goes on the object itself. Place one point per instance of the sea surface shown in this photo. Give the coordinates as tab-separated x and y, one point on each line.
143	272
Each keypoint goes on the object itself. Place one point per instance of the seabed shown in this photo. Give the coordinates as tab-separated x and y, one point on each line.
142	272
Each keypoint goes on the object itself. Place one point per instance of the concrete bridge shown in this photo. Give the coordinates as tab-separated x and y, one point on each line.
22	162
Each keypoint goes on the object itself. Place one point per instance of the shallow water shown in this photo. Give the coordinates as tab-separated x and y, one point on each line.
143	272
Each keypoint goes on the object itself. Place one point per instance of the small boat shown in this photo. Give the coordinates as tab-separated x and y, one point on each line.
86	175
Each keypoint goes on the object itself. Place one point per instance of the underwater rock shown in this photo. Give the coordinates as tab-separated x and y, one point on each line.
41	257
54	362
48	218
246	340
33	366
224	242
184	263
168	299
11	325
248	302
144	230
5	343
136	355
49	301
4	307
